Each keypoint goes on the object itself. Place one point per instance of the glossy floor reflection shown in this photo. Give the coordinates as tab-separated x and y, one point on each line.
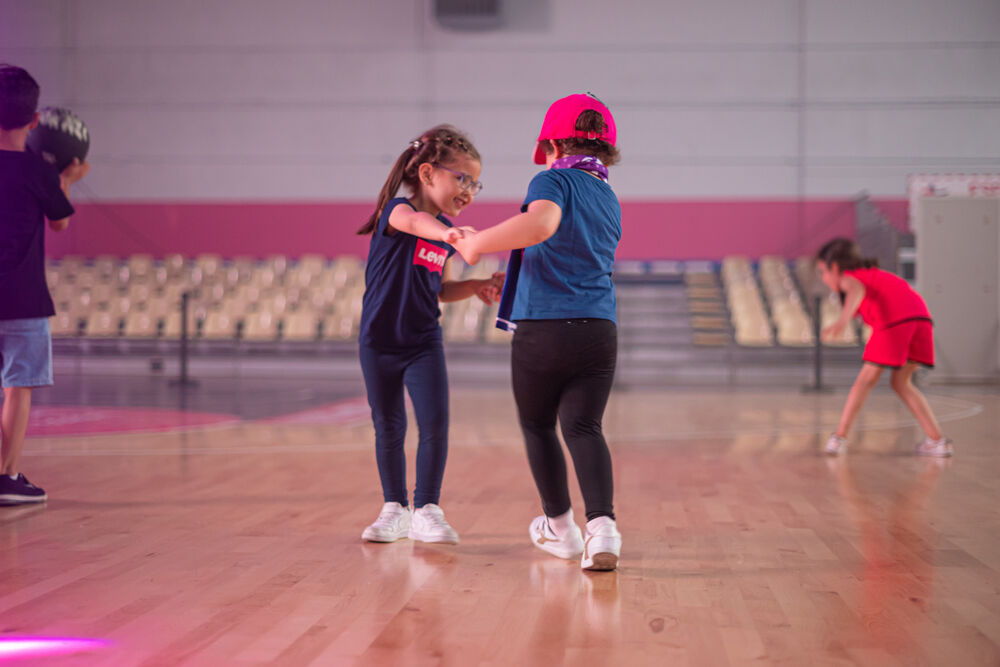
240	544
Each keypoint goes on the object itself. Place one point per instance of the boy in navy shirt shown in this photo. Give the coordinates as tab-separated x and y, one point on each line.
30	191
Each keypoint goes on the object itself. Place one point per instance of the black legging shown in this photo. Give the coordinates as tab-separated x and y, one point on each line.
565	368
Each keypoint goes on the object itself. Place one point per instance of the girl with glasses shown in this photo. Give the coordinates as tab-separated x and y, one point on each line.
400	339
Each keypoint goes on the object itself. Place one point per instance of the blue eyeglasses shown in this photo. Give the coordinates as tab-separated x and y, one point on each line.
464	181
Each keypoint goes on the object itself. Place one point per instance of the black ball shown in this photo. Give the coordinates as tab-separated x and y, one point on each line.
59	137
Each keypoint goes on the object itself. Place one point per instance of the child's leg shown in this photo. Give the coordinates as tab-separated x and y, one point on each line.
383	375
581	412
914	400
13	425
426	380
537	382
867	379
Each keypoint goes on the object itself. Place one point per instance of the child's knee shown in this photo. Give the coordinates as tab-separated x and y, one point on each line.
869	380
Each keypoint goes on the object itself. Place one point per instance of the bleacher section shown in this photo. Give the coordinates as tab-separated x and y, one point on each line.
738	302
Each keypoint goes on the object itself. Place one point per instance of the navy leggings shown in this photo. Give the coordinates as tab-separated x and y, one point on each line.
422	372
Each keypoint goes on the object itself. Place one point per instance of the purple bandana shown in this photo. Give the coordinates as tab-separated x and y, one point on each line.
587	163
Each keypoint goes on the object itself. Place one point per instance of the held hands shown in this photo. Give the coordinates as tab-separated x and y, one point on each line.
465	248
74	172
491	288
451	234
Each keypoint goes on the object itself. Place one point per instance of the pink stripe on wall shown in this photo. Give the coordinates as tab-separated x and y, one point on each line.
651	229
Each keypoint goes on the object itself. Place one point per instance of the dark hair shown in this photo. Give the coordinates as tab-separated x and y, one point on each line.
589	120
846	254
438	145
18	97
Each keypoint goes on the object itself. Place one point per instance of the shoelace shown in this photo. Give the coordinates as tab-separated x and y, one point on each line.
387	518
24	480
435	518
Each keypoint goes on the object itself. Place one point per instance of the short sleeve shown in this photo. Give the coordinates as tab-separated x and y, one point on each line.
55	206
545	185
383	221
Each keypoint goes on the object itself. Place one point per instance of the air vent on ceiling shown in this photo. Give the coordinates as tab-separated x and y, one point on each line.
468	14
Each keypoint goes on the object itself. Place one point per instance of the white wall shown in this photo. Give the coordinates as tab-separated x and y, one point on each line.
312	99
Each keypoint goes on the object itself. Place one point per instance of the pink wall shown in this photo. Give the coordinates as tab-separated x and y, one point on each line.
677	229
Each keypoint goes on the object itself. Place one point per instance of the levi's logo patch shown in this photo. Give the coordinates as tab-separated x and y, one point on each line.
430	256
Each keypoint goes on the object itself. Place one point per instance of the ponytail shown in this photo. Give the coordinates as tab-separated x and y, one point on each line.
437	145
846	254
389	189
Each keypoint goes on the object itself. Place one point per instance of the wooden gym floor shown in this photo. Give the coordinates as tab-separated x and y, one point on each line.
239	544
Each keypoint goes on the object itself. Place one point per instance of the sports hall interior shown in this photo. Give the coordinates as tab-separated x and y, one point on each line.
207	448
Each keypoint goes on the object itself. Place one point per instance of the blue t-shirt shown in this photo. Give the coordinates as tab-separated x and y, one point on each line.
29	193
569	274
402	282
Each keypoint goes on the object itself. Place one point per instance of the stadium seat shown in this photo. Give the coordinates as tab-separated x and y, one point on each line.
260	326
301	326
141	324
219	326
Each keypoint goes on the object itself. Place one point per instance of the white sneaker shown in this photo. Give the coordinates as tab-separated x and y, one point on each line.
602	544
835	445
939	448
429	525
393	523
569	545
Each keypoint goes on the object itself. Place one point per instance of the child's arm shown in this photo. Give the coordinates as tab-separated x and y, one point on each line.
487	289
854	294
424	225
70	175
534	226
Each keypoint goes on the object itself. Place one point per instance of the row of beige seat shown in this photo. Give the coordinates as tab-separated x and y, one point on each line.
792	324
310	299
751	324
709	324
205	269
260	326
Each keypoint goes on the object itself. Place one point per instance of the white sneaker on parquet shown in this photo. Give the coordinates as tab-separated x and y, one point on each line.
429	525
393	523
602	544
835	445
937	448
569	545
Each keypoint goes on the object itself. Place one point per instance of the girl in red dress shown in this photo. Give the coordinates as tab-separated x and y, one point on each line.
902	338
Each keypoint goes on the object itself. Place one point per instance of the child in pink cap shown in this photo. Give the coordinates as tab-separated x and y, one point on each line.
559	300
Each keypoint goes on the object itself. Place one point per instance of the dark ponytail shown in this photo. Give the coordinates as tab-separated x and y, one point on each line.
438	145
846	254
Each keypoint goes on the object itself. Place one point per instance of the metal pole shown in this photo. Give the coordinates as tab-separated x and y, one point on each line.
817	386
184	380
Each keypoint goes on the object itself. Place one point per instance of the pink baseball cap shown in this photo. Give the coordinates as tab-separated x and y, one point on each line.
560	122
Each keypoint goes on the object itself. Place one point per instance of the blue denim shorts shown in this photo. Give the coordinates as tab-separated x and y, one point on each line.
25	353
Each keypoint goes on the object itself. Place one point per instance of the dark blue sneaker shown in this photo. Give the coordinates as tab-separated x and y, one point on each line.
20	490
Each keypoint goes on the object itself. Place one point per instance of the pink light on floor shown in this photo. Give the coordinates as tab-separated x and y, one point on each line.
12	648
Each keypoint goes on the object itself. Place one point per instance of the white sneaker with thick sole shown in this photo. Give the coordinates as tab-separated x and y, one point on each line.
569	545
602	544
429	525
393	523
937	448
835	445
